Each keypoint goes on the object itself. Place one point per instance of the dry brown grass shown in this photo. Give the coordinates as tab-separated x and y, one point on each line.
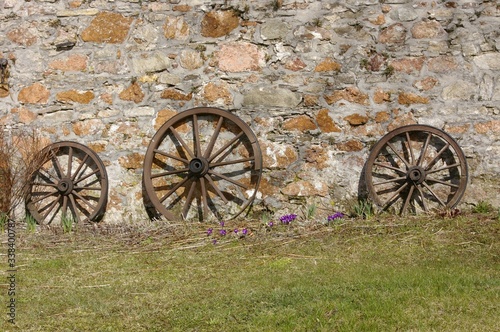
19	159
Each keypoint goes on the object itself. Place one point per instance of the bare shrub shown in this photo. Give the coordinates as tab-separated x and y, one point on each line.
20	158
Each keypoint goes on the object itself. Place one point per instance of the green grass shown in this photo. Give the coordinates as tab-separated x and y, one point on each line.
382	274
483	207
363	209
67	223
4	219
30	223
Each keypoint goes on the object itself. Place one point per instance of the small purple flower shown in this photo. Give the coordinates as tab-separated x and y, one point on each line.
222	232
209	231
270	224
244	231
288	218
214	241
221	224
336	215
235	231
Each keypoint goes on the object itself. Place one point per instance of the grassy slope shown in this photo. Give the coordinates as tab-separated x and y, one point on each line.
420	274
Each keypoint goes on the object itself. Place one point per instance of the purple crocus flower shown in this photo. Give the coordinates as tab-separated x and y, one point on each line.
244	231
270	224
336	215
288	218
221	224
209	231
222	232
235	231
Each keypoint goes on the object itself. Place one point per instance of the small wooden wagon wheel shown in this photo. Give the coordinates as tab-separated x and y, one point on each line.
202	164
416	168
70	183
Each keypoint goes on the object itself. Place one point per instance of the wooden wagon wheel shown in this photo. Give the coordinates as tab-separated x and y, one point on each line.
416	168
202	164
70	183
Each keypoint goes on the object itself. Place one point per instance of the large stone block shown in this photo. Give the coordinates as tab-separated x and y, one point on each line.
306	188
351	94
74	62
393	34
132	93
271	97
326	123
427	29
176	27
240	57
151	62
34	94
489	61
219	23
74	96
107	27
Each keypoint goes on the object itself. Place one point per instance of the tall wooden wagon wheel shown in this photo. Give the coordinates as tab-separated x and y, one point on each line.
202	164
70	183
416	168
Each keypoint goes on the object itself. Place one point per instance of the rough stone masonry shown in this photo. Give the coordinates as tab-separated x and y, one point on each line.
319	82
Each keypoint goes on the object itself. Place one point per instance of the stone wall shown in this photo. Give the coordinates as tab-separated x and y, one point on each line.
318	81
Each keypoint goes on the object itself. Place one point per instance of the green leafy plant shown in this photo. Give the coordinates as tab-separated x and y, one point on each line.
276	4
363	63
317	22
67	223
311	211
363	209
30	223
388	71
482	207
4	219
265	217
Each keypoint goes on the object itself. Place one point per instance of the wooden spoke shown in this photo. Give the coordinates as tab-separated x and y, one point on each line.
177	171
173	190
436	158
228	144
239	184
171	156
232	162
182	142
408	142
444	168
398	154
408	198
389	181
217	190
189	198
214	137
434	194
399	170
429	179
424	149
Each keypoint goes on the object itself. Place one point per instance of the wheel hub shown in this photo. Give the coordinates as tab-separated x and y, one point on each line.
65	186
198	166
416	174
